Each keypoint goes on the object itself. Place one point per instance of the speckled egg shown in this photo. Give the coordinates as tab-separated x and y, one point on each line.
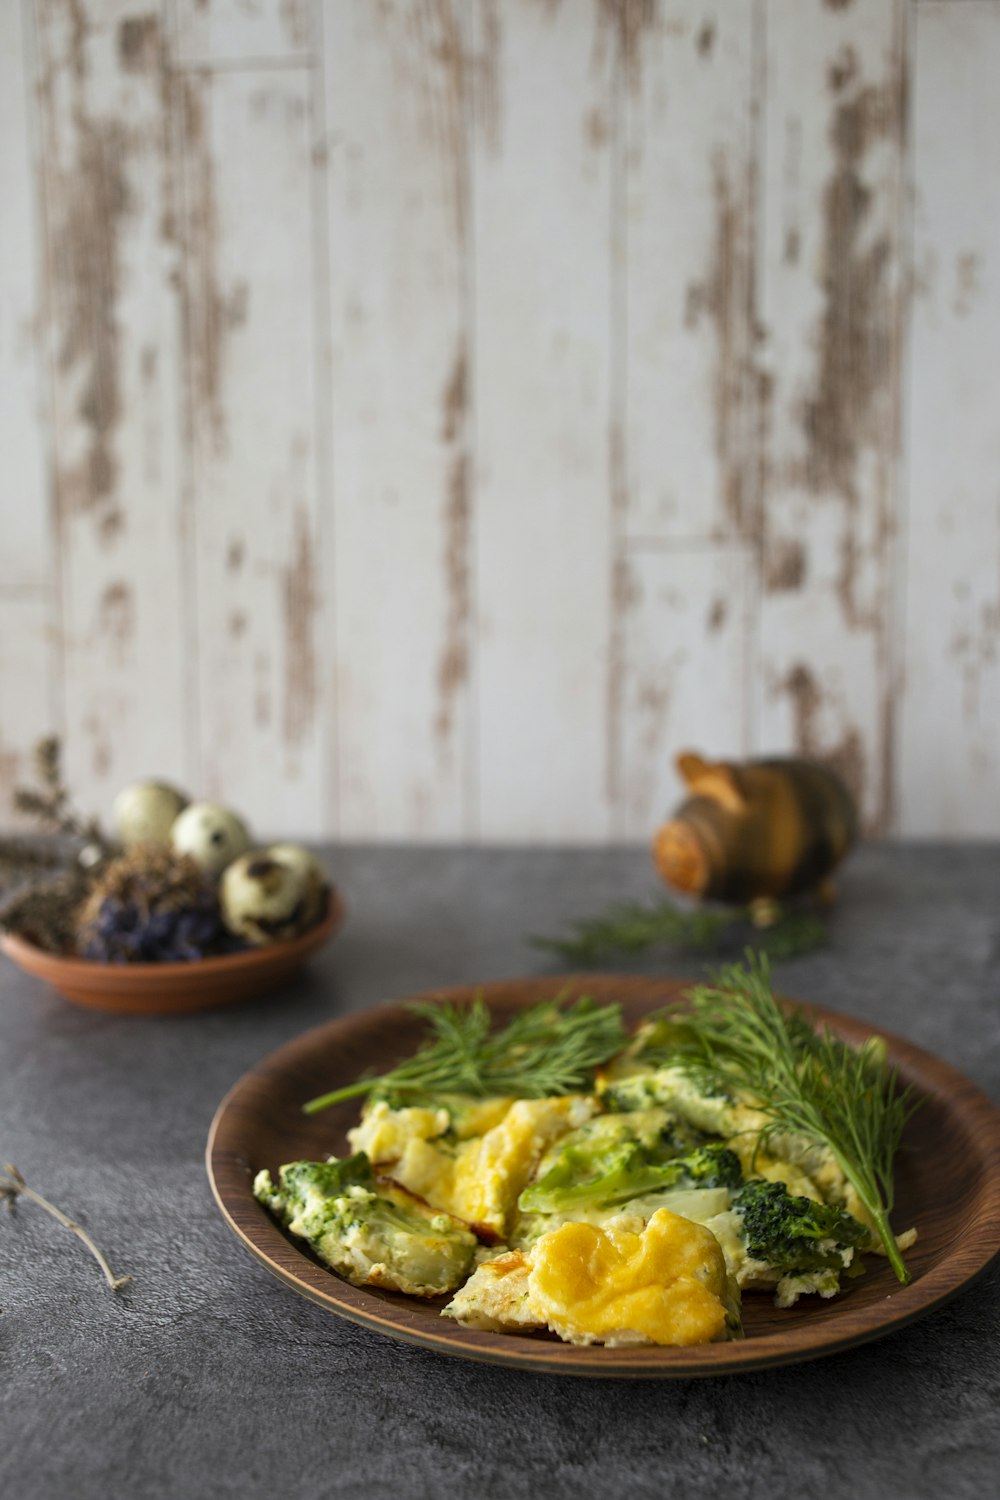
145	812
317	881
212	835
264	899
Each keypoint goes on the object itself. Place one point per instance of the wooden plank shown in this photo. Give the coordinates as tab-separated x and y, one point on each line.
396	100
950	718
25	560
543	298
27	663
251	380
830	290
113	342
685	680
209	32
691	427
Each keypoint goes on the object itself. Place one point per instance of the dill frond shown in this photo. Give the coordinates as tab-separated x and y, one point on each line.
546	1050
634	927
733	1034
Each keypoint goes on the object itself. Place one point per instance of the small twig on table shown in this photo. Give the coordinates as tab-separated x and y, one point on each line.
14	1186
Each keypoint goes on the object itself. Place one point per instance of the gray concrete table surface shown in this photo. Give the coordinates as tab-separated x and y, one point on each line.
206	1377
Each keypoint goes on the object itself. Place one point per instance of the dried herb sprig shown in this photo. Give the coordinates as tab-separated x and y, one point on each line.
50	805
13	1186
544	1051
45	883
20	859
634	927
46	914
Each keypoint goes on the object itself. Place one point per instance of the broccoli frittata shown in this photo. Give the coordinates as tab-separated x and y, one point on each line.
625	1196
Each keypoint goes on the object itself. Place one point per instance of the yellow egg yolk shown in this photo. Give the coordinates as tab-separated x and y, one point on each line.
663	1284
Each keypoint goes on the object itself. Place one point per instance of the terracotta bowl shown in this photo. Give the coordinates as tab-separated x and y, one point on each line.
176	988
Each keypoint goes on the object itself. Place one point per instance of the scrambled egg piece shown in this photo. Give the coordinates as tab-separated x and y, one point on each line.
756	1163
625	1282
749	1274
371	1231
805	1166
384	1132
496	1297
807	1283
716	1114
752	1275
479	1180
662	1283
697	1204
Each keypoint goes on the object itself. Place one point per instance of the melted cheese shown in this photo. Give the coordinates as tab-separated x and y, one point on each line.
662	1283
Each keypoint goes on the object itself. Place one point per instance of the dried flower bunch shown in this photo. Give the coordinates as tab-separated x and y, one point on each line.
151	905
181	883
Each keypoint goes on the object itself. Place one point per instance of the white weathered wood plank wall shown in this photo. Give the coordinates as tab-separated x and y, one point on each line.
831	278
689	398
251	379
111	349
396	144
423	418
950	709
542	263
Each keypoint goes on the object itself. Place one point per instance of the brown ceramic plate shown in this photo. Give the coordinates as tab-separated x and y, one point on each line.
176	988
948	1185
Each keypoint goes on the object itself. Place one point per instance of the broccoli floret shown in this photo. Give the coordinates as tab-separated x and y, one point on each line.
706	1106
793	1234
369	1229
605	1167
640	1091
301	1180
713	1165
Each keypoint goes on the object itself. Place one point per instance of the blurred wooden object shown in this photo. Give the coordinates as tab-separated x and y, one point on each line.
756	830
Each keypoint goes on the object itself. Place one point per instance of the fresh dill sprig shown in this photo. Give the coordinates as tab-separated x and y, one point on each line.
735	1035
635	926
546	1050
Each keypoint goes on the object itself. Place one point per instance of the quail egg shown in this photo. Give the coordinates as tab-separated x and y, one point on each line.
212	835
145	812
264	899
316	878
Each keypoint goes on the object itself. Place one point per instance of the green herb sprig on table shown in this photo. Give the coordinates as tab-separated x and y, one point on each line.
636	926
734	1035
546	1050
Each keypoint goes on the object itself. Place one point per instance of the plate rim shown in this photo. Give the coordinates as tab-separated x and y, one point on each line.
228	1174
